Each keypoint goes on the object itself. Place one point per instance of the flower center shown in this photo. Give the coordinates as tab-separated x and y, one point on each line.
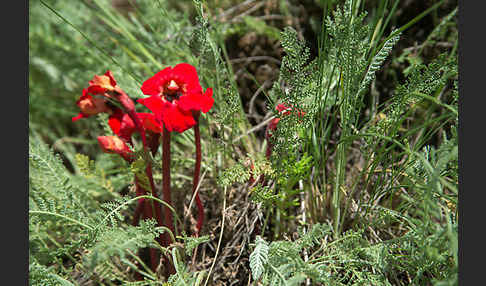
172	91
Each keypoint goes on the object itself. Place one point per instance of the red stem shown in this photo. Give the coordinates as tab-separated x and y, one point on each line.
148	170
151	207
144	210
166	195
153	203
166	239
197	171
166	179
153	254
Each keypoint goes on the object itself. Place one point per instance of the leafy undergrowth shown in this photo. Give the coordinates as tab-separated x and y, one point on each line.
355	182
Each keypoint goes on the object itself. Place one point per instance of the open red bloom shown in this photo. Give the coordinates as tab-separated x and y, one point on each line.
114	145
90	106
175	94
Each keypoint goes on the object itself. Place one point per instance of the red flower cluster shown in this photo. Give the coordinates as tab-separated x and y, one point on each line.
95	98
176	101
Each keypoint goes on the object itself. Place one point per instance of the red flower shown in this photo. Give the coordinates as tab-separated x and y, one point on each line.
114	145
101	84
90	106
150	123
106	85
283	110
122	125
175	94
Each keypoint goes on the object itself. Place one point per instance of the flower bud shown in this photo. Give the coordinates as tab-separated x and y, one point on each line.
114	145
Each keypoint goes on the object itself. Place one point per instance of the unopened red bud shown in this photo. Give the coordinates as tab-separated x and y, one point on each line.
102	83
90	105
114	145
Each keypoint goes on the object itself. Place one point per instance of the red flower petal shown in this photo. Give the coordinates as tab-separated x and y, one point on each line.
154	103
150	123
115	124
155	84
113	144
122	125
175	94
106	81
281	107
80	115
109	74
90	105
209	100
273	124
127	127
176	119
96	89
186	75
197	101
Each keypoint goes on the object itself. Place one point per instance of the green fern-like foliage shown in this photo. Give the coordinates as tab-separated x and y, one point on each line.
422	81
351	260
183	276
296	89
237	173
377	62
348	47
41	275
66	219
281	262
259	257
191	243
119	241
59	209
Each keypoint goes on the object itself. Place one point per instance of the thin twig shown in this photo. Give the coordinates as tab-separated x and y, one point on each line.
256	58
234	8
257	127
220	237
253	98
194	194
247	12
302	209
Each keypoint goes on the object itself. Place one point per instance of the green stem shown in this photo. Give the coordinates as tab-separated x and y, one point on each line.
62	216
